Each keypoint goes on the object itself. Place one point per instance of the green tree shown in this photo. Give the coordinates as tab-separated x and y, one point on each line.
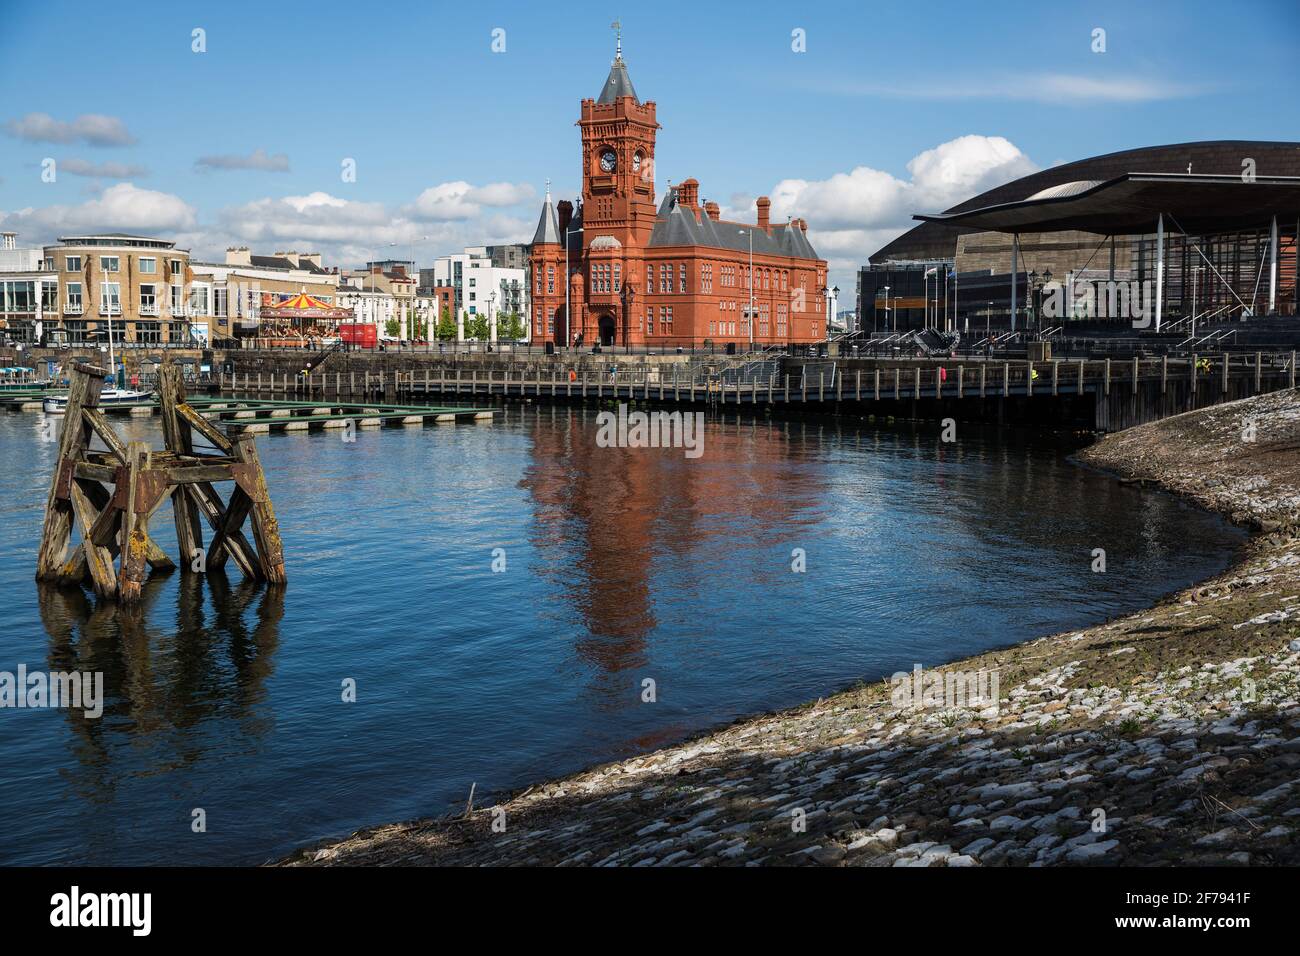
392	328
476	327
510	327
446	326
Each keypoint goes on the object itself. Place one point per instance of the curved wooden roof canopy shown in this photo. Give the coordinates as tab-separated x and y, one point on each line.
1198	204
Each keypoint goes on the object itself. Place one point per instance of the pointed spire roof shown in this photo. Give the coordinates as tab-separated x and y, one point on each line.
548	226
619	83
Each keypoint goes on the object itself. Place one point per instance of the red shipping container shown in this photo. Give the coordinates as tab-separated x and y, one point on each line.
361	334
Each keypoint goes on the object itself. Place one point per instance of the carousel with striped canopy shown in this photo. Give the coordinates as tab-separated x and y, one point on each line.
301	319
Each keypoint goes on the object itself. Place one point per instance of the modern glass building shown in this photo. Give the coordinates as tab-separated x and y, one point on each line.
1214	224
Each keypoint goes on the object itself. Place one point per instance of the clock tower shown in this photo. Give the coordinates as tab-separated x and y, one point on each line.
626	270
618	150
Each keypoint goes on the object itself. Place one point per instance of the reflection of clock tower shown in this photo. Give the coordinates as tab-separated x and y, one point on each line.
618	147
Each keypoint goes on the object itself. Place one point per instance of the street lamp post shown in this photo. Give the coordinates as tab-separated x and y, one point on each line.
492	320
1196	276
749	316
925	300
568	231
887	324
1031	284
414	317
1046	281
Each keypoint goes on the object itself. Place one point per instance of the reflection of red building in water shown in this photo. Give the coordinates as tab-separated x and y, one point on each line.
632	535
666	276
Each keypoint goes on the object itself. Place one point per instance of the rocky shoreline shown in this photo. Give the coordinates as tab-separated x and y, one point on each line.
1171	736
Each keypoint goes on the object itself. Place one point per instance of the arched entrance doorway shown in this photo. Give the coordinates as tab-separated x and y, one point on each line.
606	327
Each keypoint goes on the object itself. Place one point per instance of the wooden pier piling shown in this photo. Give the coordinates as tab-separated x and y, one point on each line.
114	525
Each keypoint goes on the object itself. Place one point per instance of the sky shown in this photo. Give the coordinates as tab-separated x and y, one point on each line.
851	115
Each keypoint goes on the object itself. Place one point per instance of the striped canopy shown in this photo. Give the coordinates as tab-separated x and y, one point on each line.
303	301
304	306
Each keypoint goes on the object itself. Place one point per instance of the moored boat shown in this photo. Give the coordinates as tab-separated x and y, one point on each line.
57	404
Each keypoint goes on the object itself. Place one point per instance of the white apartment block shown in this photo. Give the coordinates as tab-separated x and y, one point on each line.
480	287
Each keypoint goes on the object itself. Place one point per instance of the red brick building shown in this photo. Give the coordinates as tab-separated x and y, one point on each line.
677	274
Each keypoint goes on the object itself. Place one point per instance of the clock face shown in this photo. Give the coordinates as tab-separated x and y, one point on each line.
608	160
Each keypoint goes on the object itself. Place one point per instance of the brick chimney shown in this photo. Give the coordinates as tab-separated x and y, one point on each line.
714	211
238	256
312	257
688	193
564	209
291	256
764	212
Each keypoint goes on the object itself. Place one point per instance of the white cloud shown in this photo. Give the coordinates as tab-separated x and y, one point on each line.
851	215
460	200
318	217
348	232
443	219
964	167
257	159
81	167
123	207
92	129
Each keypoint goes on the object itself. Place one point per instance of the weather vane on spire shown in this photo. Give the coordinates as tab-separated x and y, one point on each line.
617	27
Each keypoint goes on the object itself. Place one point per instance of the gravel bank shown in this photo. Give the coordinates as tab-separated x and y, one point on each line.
1168	737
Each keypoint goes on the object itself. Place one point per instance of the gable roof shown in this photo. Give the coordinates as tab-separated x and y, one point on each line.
676	225
279	262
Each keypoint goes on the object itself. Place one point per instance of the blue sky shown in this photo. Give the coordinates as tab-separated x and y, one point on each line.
454	142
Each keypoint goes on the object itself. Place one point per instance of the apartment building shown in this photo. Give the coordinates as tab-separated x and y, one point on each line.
28	292
479	286
383	297
226	298
137	285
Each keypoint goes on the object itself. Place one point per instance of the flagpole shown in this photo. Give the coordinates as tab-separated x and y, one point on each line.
954	299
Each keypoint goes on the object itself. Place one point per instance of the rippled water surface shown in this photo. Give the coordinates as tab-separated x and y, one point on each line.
620	565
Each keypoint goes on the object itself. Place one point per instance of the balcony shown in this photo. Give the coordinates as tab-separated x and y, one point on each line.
72	308
148	308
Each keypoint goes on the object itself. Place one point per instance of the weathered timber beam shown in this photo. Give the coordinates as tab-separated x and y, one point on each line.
197	474
101	499
97	528
266	530
204	427
235	544
86	469
135	524
231	524
83	392
100	425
